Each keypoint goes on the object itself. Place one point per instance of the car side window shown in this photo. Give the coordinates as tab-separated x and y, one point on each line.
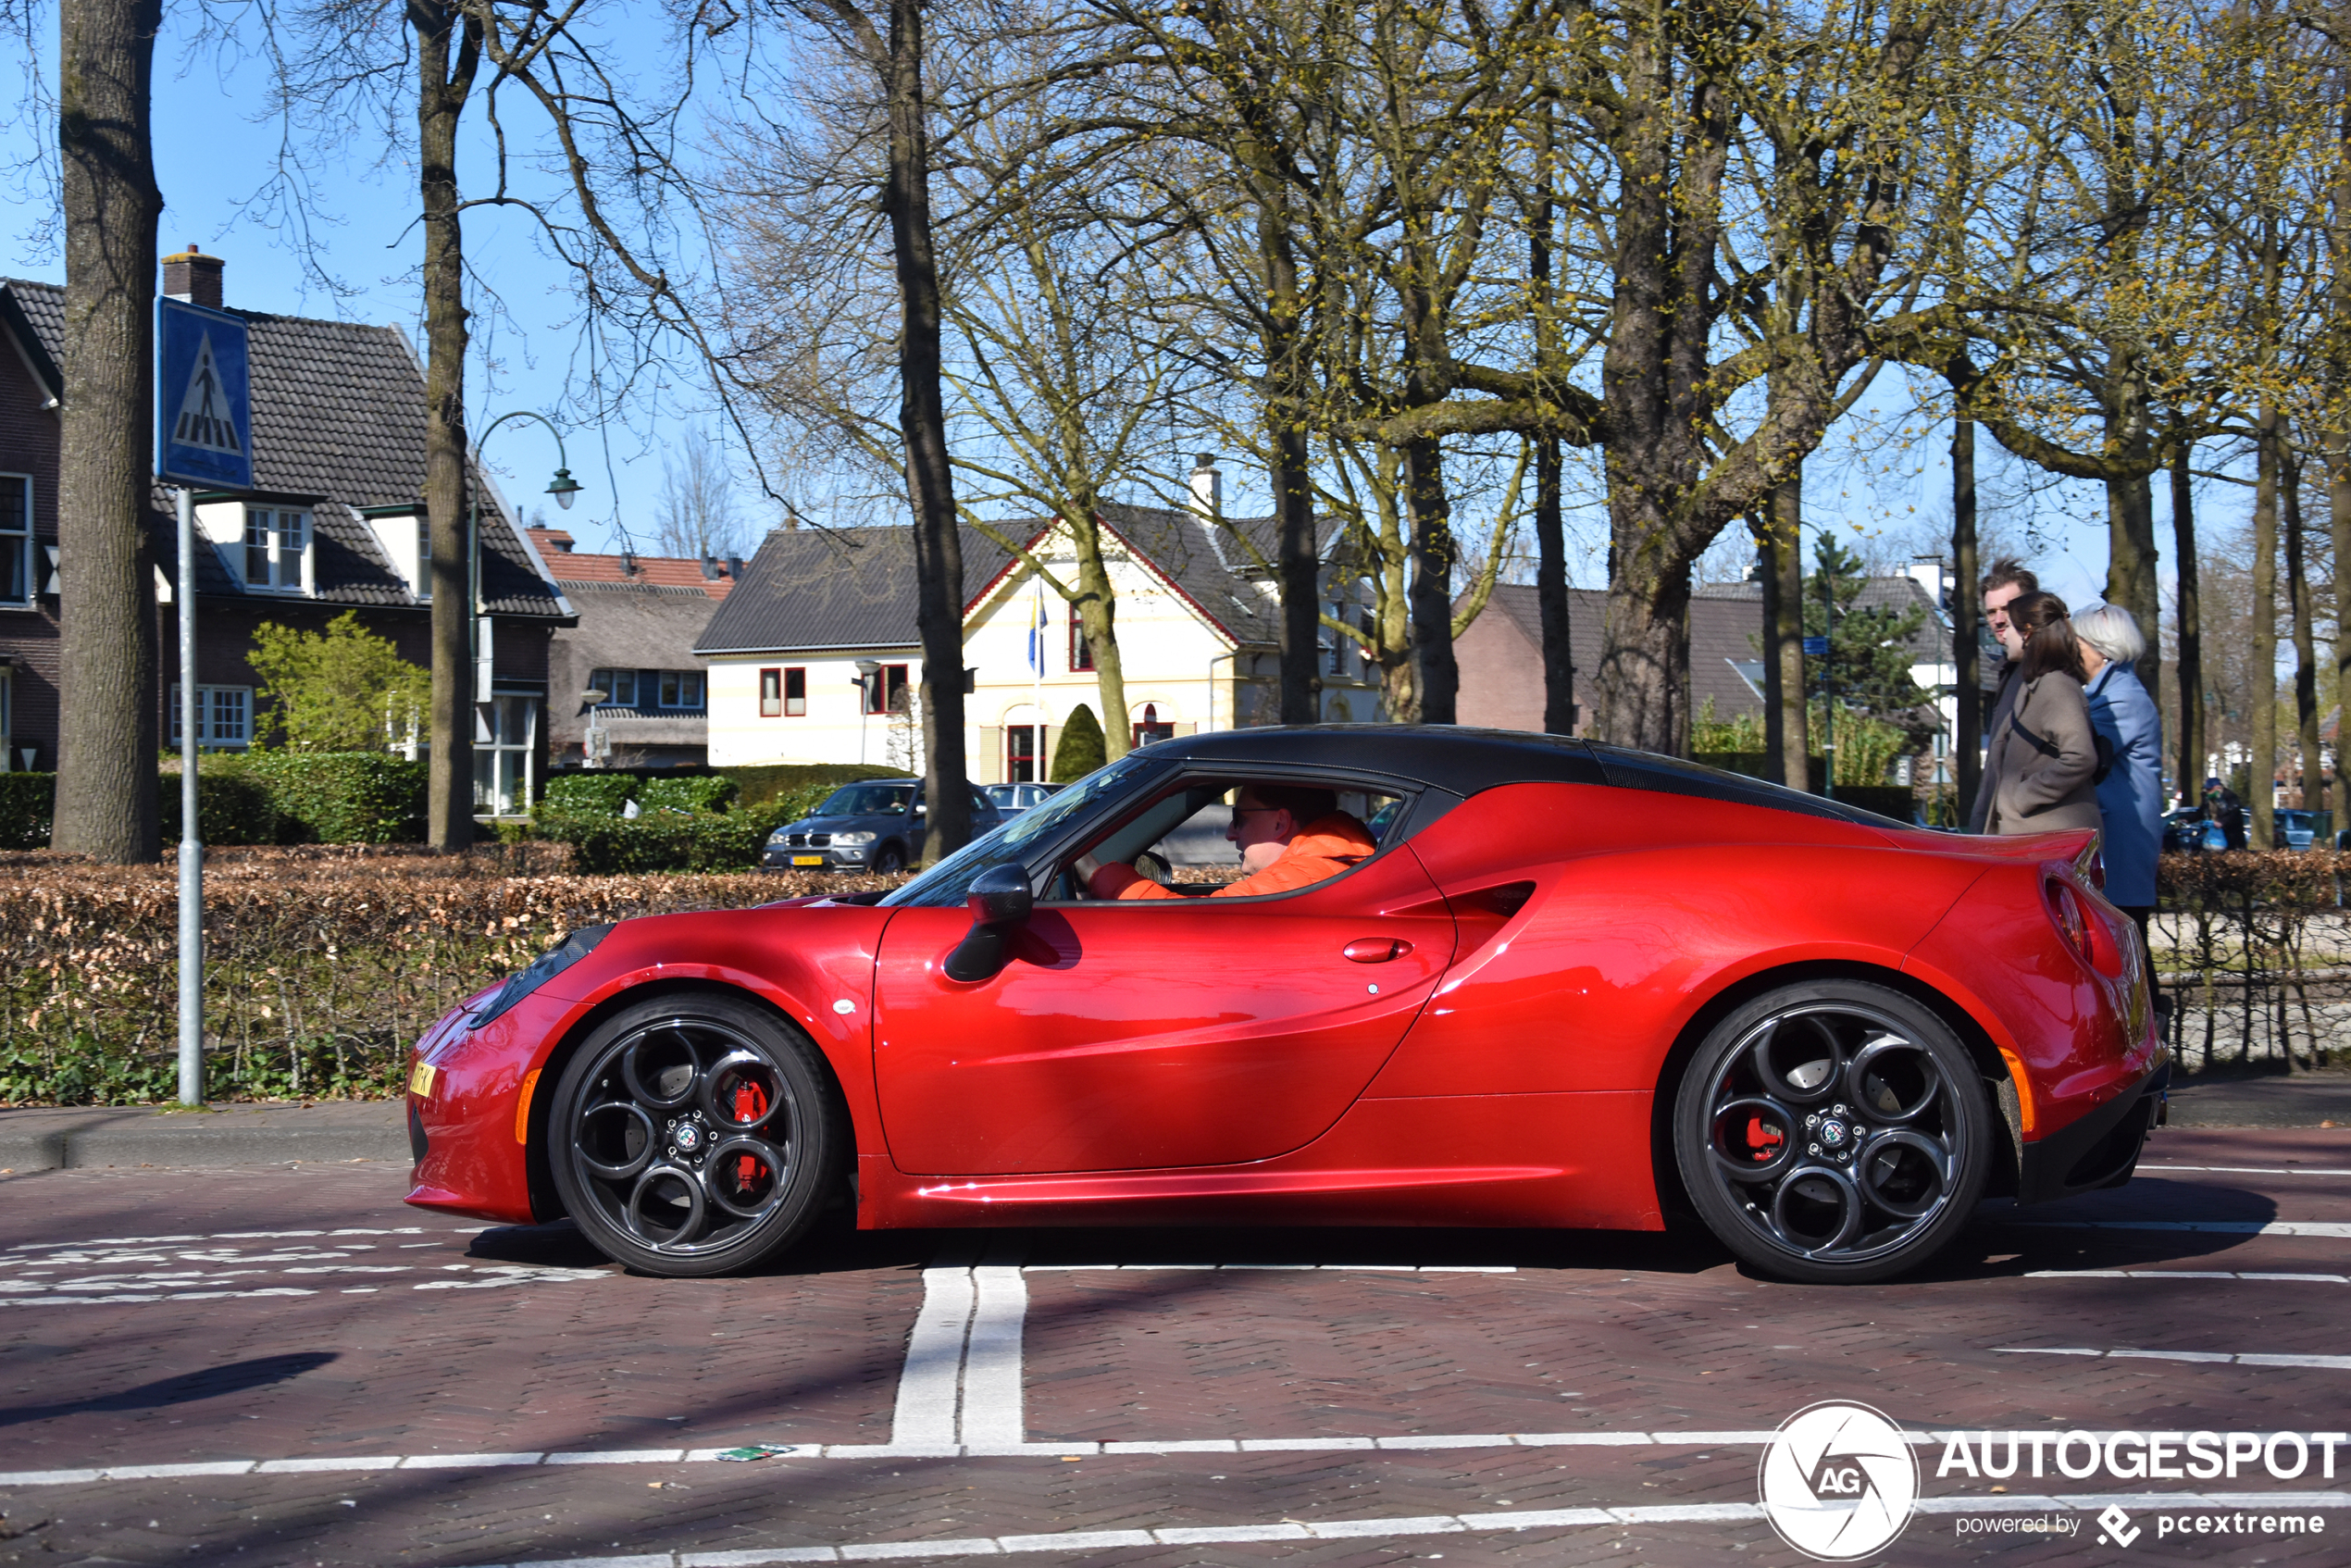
1186	841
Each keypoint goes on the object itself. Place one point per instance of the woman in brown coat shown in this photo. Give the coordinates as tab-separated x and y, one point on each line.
2045	757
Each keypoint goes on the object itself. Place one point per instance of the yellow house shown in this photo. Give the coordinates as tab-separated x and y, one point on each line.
813	657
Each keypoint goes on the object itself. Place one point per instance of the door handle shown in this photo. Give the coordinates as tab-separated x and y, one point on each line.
1375	950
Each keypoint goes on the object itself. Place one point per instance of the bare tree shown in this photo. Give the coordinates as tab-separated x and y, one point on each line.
107	805
694	510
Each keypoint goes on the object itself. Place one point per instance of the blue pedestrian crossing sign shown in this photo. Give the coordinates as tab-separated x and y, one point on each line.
203	398
1816	647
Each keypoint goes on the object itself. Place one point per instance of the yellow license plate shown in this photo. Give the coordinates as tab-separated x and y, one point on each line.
420	1079
808	860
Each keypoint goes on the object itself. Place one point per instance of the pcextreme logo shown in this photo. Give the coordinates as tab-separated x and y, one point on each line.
1838	1481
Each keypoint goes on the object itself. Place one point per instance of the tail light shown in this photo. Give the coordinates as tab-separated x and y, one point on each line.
2091	864
2066	912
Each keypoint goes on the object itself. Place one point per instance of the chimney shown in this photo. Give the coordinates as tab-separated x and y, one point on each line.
627	560
1207	487
193	277
1934	579
735	566
710	569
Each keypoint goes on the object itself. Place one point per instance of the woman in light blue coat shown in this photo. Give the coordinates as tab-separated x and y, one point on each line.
2131	796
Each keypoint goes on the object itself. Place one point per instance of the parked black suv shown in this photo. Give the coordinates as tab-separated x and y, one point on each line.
875	825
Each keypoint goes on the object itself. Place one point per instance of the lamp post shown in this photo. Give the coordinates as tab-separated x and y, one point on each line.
868	671
563	487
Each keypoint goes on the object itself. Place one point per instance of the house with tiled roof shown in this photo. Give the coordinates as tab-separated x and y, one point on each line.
625	687
814	656
336	524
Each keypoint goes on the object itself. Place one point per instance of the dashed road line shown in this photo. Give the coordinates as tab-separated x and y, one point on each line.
2252	1170
1421	1525
2330	1229
2216	1358
2184	1274
1279	1268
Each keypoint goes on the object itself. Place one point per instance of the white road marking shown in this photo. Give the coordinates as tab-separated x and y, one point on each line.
2183	1273
930	1384
2331	1229
1227	1268
993	1408
2328	1363
1420	1524
2252	1170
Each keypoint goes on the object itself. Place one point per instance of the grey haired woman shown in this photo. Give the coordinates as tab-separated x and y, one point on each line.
2131	796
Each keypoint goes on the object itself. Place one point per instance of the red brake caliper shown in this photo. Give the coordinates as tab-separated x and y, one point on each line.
1761	1139
751	1104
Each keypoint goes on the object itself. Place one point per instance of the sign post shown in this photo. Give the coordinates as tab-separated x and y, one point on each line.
203	437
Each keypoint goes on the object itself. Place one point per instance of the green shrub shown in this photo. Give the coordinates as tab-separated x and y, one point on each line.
792	806
704	793
665	841
26	800
765	787
343	797
1079	750
232	806
588	795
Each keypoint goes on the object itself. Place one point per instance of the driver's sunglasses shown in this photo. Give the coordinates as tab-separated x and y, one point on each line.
1246	810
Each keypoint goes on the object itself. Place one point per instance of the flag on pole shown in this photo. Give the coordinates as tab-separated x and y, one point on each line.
1036	634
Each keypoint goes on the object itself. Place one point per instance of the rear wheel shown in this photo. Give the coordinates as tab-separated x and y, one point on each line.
694	1134
1833	1132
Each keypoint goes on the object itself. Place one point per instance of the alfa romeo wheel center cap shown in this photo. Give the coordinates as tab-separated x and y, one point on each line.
690	1137
1834	1134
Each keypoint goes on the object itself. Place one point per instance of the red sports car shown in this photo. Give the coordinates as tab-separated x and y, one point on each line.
1540	982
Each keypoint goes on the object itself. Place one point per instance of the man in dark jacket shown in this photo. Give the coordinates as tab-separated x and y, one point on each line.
2002	585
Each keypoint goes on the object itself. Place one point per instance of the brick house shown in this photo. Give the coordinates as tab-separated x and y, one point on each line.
634	642
336	523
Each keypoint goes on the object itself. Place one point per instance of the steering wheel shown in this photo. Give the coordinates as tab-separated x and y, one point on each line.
1154	864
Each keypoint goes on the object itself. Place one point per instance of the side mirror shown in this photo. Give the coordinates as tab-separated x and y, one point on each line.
1000	899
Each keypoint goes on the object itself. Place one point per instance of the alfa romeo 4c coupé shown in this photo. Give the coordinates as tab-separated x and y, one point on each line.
1560	984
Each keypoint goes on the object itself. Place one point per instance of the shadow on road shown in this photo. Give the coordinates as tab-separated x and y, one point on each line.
237	1377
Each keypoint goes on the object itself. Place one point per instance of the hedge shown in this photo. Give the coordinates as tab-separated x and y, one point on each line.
232	807
25	802
323	965
343	797
709	793
660	841
588	795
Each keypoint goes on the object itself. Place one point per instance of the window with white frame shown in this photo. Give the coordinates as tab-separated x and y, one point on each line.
18	579
504	730
224	715
277	549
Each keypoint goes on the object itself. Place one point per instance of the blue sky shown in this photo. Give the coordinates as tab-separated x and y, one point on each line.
213	153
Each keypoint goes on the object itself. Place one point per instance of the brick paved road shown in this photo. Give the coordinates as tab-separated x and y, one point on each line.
355	1382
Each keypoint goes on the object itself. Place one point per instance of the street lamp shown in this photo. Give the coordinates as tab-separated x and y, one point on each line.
564	487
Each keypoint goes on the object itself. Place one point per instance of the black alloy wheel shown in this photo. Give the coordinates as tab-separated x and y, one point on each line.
1834	1132
889	860
695	1134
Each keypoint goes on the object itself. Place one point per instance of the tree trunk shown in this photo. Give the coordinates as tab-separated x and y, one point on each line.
1097	619
2129	512
1646	659
444	80
1551	593
1967	742
2263	682
1550	545
922	422
1788	534
2306	654
1767	576
1433	552
2189	675
1299	564
107	805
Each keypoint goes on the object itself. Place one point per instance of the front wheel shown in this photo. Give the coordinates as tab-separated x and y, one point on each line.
1834	1132
888	861
694	1135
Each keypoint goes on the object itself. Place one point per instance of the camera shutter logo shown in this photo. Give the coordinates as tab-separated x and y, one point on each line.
1838	1481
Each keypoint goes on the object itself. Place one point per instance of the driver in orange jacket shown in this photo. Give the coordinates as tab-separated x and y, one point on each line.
1290	836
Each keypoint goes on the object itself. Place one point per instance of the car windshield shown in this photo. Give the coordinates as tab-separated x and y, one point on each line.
867	800
946	883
